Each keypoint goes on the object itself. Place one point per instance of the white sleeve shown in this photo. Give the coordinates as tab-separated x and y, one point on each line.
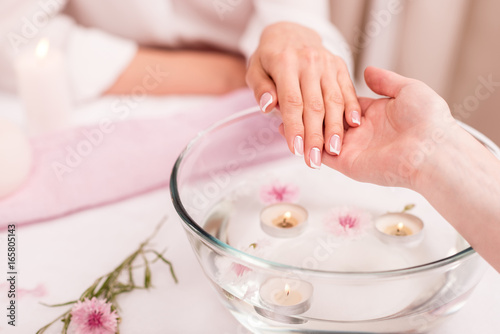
312	14
94	59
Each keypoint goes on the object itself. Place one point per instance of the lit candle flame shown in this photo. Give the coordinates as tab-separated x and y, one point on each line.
287	289
400	227
287	215
42	48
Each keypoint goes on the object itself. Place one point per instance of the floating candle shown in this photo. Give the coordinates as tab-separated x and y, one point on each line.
286	296
283	220
400	228
287	221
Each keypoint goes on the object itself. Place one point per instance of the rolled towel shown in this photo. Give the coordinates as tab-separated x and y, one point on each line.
90	166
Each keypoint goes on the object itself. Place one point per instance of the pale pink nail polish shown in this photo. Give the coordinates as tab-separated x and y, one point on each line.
298	146
335	144
315	158
265	100
356	119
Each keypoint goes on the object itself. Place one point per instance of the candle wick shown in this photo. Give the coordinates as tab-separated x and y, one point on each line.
285	223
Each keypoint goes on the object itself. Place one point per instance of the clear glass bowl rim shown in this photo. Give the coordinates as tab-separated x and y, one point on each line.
241	256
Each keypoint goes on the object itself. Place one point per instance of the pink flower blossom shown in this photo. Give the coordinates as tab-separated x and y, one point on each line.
94	317
239	269
277	192
345	221
257	249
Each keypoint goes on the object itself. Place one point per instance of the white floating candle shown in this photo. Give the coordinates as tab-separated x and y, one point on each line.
400	228
43	88
286	296
283	220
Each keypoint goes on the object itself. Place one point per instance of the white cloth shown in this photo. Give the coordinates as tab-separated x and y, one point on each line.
100	38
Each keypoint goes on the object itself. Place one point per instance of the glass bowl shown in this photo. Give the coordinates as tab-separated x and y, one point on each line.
320	278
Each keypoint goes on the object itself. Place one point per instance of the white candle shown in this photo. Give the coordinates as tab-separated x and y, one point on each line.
286	296
283	220
400	228
43	88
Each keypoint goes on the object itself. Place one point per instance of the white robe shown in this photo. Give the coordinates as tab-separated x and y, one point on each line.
99	38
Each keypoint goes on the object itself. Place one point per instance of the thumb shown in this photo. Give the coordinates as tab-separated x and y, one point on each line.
384	82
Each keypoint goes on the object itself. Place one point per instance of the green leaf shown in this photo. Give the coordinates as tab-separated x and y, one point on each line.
147	273
169	264
43	329
131	275
57	305
90	292
66	321
147	277
408	207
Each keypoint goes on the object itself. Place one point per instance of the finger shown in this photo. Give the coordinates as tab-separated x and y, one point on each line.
291	106
352	108
262	85
385	82
314	116
334	117
281	130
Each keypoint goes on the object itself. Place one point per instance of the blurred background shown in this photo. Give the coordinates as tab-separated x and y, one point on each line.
451	45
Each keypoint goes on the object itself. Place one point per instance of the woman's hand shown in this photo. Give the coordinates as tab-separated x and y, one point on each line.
411	140
399	135
312	86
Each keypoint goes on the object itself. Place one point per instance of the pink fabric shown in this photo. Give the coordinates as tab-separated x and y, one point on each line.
134	157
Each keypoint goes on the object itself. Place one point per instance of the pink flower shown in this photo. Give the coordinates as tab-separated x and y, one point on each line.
347	221
257	249
94	317
277	192
239	269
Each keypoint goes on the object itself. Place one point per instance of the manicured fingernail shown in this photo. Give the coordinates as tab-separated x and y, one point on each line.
355	117
298	146
265	100
315	158
335	144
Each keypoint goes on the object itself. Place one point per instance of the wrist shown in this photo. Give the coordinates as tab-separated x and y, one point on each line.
442	148
294	31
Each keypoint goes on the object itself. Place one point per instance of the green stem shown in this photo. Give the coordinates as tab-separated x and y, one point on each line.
44	328
169	264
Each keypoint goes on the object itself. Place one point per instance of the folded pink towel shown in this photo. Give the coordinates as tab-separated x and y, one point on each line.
91	166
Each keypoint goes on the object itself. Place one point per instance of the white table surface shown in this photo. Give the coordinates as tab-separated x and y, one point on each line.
59	259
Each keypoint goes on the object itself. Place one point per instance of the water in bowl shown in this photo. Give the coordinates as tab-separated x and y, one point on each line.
341	303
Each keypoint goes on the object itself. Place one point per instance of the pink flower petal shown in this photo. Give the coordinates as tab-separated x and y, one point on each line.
346	221
240	269
277	192
94	316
